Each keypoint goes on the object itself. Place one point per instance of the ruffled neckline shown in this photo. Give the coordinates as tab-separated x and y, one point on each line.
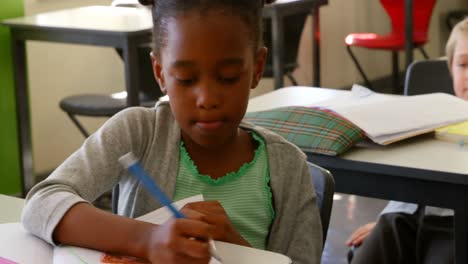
230	176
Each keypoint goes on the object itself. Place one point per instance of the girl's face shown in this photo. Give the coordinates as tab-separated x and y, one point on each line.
460	67
207	68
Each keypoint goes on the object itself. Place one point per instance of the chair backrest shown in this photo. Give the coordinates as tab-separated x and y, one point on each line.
422	11
293	26
324	185
428	76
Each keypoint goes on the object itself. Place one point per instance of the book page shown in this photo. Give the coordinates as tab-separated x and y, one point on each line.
15	241
397	117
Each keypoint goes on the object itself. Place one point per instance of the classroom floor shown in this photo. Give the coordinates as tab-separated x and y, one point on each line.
348	213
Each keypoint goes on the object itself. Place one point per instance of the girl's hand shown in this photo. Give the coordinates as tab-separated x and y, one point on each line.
179	241
213	213
360	234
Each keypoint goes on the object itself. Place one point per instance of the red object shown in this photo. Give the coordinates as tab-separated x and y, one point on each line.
395	40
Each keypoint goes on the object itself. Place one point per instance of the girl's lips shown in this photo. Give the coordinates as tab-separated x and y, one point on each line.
211	125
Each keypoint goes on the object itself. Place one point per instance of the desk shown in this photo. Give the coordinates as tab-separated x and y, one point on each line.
11	208
409	32
122	28
419	170
277	12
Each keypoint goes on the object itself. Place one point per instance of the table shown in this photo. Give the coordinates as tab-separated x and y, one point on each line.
121	28
419	170
277	12
409	32
11	208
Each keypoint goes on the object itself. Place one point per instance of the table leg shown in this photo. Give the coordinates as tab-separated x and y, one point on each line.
277	31
23	115
316	45
409	32
132	82
460	232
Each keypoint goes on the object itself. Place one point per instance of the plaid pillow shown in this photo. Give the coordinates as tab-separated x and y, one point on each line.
312	129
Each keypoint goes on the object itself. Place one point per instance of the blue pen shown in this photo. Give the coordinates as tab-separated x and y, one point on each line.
130	162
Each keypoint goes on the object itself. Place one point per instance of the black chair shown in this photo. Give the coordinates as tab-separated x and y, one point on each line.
324	185
423	77
293	27
105	105
428	76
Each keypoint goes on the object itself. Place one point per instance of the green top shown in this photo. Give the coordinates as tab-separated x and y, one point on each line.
245	194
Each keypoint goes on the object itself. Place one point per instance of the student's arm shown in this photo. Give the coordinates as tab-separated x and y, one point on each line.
88	173
86	226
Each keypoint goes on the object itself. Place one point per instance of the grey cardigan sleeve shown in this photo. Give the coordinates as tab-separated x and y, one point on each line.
296	231
89	172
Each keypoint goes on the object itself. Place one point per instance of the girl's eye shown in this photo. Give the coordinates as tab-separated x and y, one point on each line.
462	65
185	82
229	80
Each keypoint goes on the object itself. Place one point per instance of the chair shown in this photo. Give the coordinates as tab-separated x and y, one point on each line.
324	188
292	33
429	76
106	105
423	77
395	40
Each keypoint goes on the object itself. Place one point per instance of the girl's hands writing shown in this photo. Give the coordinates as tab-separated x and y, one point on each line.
213	213
179	241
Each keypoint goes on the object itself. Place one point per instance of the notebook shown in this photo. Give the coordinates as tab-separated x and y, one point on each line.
389	118
19	246
454	133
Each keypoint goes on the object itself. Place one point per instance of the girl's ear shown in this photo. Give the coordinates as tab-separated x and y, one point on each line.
158	72
259	67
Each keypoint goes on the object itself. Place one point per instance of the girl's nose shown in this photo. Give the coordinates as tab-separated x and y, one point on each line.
208	97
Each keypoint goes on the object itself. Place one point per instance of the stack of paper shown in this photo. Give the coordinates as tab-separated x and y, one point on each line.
390	118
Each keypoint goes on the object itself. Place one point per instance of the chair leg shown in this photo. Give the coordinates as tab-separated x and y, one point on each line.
292	79
358	66
78	124
115	199
423	52
396	73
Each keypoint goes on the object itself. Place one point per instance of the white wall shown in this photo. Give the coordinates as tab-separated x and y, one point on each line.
59	70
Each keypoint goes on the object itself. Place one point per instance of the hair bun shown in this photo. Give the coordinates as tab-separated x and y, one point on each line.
148	2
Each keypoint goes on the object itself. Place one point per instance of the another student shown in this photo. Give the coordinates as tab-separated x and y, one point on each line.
207	56
408	233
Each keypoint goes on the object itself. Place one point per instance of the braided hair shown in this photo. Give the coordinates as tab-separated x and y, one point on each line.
250	11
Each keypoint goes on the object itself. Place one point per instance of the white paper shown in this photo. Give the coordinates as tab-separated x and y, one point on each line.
163	214
386	118
20	246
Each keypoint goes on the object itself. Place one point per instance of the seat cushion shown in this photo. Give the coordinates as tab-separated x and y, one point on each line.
96	104
387	42
315	130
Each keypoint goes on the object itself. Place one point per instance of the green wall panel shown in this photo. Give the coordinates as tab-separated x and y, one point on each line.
10	182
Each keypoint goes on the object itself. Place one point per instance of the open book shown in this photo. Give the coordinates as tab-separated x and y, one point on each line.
19	246
390	118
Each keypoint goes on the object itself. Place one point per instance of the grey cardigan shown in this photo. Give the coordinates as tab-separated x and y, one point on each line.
154	136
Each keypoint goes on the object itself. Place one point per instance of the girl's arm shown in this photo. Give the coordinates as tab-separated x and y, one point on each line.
86	226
